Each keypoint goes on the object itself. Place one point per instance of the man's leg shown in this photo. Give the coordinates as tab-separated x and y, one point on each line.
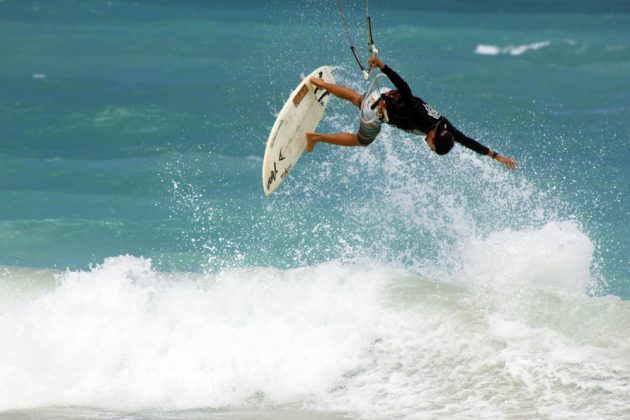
339	139
339	91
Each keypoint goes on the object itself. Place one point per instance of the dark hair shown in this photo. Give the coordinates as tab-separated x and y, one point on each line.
443	139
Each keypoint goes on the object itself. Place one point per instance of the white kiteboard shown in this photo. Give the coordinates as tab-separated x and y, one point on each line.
287	141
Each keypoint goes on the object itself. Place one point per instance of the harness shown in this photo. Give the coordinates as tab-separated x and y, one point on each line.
376	94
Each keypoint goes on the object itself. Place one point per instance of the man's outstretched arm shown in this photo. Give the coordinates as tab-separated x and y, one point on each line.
475	146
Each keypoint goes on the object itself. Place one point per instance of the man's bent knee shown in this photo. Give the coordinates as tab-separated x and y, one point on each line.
364	141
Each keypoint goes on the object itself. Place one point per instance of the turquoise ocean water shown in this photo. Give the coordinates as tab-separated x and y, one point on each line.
143	274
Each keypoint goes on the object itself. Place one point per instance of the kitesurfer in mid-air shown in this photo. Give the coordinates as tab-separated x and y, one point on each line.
400	109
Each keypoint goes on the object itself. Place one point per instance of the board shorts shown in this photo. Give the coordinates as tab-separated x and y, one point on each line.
368	132
370	124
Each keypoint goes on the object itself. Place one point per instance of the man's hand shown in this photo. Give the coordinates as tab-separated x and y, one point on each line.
509	162
373	61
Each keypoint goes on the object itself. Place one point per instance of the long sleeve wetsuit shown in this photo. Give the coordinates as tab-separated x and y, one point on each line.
412	114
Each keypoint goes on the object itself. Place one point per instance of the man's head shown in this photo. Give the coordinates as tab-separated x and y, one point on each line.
440	140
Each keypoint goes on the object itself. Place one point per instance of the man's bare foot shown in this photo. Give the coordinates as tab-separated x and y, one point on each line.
310	141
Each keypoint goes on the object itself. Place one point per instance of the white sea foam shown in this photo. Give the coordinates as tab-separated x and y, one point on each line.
123	336
360	338
484	49
558	255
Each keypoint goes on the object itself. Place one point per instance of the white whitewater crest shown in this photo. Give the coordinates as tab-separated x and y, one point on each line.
123	336
484	49
556	257
365	338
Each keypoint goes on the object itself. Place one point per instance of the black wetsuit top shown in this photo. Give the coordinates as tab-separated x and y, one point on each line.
413	115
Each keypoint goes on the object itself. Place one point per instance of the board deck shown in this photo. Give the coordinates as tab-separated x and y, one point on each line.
287	141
